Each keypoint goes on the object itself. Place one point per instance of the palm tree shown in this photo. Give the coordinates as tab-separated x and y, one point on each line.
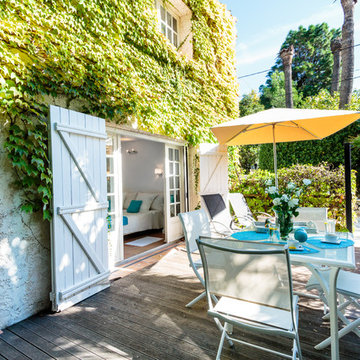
347	69
286	56
336	51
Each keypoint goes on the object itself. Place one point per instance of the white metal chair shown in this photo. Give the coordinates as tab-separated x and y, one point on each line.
317	215
219	214
195	223
253	284
348	287
243	212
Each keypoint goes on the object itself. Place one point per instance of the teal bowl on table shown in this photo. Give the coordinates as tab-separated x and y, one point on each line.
300	235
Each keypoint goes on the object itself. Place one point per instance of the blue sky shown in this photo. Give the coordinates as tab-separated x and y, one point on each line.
262	27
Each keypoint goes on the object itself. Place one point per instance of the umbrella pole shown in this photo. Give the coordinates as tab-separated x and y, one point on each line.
275	157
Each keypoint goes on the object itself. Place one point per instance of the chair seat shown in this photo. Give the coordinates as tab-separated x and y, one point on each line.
348	283
246	311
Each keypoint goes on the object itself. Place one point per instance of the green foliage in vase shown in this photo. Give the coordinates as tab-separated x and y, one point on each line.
312	62
110	57
327	188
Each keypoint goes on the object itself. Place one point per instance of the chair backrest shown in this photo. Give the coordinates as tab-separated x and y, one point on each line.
239	205
194	223
217	209
317	215
250	271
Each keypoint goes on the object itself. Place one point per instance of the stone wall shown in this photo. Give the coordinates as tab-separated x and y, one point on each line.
25	275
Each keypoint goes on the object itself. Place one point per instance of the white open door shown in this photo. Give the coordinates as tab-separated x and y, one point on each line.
214	169
174	191
79	250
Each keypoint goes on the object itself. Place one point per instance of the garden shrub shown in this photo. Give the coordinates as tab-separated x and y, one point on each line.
327	188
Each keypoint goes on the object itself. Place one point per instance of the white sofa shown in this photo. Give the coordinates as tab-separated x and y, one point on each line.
150	216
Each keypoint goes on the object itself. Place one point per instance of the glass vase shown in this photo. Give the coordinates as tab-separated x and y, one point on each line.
285	224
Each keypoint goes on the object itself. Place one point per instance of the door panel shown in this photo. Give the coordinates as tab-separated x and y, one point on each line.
79	231
214	169
174	191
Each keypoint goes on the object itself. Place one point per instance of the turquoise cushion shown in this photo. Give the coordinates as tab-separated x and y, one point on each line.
134	206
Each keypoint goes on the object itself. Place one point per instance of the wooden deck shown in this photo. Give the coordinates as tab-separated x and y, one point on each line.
142	316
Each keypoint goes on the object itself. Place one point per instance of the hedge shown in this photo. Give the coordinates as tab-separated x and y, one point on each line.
326	190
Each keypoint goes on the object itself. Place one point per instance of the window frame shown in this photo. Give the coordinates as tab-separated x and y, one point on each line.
164	23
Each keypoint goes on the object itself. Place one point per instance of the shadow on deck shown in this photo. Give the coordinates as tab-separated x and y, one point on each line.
143	316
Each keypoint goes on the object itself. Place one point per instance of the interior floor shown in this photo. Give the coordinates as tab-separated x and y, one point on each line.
133	250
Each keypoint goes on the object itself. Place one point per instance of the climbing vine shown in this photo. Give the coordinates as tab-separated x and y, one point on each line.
110	57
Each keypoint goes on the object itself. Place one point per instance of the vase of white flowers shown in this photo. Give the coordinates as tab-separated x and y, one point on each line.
285	204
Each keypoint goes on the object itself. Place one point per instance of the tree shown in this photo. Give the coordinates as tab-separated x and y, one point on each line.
347	68
274	94
312	62
286	55
336	51
250	104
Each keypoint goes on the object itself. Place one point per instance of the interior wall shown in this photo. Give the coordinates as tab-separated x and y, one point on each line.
138	168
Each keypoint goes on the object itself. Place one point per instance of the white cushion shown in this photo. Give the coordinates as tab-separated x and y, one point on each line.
147	199
128	196
158	203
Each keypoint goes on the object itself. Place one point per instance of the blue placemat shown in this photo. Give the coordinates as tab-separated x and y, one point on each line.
250	235
316	241
306	250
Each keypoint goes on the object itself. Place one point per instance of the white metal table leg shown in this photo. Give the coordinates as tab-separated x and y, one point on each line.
334	331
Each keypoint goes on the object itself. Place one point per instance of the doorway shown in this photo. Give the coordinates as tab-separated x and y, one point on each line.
146	191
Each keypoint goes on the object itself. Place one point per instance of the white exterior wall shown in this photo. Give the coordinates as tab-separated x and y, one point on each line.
25	275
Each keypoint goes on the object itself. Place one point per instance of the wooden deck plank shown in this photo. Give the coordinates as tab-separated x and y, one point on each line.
131	337
89	338
23	346
34	337
10	353
143	316
64	336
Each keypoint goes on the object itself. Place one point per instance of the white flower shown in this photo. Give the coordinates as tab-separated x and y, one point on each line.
293	203
277	201
291	186
298	192
271	190
306	182
285	197
268	182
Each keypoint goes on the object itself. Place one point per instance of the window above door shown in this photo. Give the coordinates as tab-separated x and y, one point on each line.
175	24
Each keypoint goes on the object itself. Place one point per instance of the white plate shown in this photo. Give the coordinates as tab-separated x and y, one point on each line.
337	242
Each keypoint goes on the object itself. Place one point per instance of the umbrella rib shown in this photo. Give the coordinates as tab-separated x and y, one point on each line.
309	132
246	129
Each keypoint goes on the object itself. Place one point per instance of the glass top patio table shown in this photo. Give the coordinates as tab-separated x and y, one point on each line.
335	259
338	257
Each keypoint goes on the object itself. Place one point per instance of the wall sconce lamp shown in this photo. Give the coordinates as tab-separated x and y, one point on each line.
158	172
131	151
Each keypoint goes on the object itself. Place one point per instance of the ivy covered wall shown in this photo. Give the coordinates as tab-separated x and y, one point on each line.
110	56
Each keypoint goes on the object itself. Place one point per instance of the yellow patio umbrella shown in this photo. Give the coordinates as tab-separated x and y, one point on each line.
283	125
